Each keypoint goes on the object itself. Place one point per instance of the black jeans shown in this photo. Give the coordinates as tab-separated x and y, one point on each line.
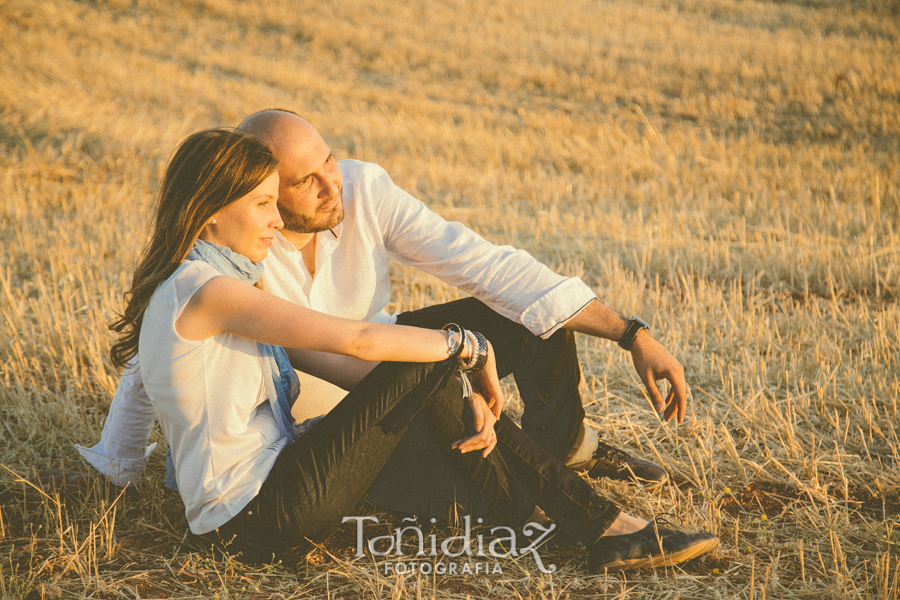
321	477
547	372
423	478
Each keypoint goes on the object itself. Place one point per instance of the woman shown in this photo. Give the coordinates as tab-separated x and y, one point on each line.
210	347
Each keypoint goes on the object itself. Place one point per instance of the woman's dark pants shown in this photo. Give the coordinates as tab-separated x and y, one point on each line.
321	478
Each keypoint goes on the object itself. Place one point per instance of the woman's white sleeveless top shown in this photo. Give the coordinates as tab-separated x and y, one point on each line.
210	401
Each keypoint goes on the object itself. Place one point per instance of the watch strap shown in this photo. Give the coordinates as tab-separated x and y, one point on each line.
634	327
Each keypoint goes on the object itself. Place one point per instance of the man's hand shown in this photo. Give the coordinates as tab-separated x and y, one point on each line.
653	362
485	438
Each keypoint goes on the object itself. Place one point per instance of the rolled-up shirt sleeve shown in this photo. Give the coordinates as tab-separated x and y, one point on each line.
122	452
508	280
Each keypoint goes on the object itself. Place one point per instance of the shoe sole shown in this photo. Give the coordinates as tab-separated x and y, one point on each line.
651	485
660	561
628	476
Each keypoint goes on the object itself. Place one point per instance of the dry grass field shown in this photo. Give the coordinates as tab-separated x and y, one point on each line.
729	169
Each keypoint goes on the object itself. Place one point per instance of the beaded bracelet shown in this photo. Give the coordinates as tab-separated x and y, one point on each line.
465	364
482	352
476	342
479	353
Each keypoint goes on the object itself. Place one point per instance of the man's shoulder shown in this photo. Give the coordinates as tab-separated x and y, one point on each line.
367	185
358	171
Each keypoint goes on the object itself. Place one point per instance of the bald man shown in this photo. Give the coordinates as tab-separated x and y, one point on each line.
343	221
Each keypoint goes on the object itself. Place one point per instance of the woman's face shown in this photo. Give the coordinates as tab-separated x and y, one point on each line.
248	224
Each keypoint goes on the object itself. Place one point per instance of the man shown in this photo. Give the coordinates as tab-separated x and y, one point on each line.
343	221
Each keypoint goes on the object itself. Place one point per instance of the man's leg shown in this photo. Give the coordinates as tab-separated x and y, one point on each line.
548	376
546	371
431	480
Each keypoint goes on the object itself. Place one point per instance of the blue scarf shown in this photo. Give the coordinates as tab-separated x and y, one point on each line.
282	385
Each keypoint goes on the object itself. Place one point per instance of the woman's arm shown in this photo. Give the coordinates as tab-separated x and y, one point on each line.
227	305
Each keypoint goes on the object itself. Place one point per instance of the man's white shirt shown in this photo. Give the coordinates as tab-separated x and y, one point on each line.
352	280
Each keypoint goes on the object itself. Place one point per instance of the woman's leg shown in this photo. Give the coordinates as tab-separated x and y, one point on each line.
427	478
320	478
518	475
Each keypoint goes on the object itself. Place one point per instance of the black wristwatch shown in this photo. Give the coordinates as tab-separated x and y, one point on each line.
631	332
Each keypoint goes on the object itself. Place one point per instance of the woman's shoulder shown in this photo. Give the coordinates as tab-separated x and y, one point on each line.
187	279
195	269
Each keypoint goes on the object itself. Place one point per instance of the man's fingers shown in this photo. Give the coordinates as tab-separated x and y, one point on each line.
653	362
671	406
677	399
676	404
655	396
681	400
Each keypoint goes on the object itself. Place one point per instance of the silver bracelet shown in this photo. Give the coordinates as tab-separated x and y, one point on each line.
454	343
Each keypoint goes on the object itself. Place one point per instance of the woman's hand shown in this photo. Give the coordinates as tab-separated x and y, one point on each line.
485	438
487	384
486	403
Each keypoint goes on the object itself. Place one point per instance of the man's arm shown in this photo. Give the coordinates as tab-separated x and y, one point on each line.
122	452
509	280
512	283
651	360
337	369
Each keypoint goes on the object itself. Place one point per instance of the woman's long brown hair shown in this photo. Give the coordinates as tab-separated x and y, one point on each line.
210	170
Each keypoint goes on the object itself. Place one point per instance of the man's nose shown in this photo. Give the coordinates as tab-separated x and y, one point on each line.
329	189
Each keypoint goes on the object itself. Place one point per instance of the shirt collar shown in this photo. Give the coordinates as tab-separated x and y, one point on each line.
333	235
283	243
328	241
